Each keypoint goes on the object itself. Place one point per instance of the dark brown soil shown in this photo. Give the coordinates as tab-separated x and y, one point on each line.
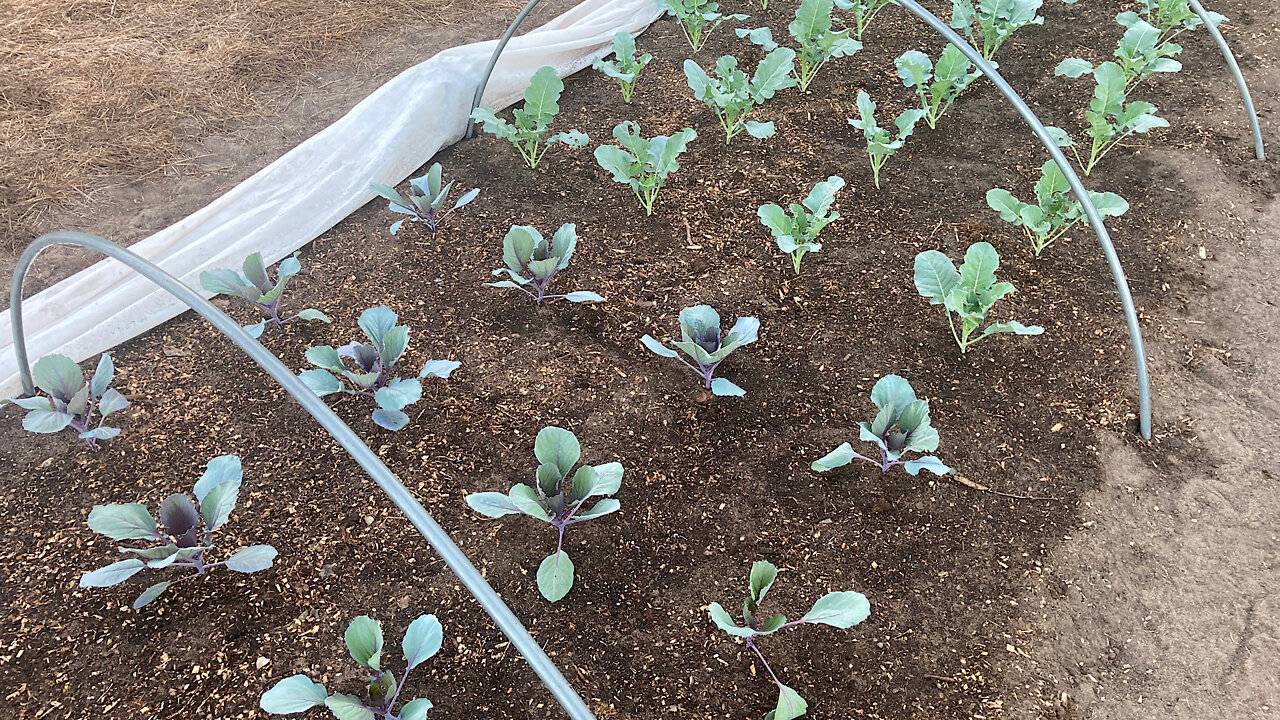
709	488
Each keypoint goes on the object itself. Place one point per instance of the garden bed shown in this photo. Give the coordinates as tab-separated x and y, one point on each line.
709	488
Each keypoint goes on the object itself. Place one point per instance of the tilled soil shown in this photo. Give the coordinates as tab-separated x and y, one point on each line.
709	486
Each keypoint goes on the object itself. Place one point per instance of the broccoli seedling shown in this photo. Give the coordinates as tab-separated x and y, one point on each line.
529	133
1147	47
643	164
817	34
374	374
556	499
700	340
901	426
71	402
864	11
936	86
732	97
883	143
968	293
524	250
1111	117
1055	211
838	609
426	201
1172	17
697	18
626	66
179	540
257	288
299	693
796	233
996	20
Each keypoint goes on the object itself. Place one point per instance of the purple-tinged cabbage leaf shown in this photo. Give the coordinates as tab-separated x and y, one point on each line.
558	497
901	427
369	369
183	536
255	286
533	262
700	340
838	609
70	402
426	201
299	693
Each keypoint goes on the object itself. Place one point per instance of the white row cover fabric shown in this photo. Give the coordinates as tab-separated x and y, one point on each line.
310	189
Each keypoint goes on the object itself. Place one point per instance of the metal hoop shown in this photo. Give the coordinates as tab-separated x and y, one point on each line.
346	437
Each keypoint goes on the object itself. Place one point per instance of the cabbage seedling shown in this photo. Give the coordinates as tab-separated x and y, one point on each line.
299	693
532	122
732	98
179	540
697	18
838	609
1054	212
996	20
901	426
969	293
700	340
625	66
426	201
864	11
524	250
814	31
374	373
70	401
643	164
937	86
557	499
796	232
1110	117
257	288
882	143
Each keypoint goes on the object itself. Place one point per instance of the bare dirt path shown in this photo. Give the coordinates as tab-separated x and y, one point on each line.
1163	602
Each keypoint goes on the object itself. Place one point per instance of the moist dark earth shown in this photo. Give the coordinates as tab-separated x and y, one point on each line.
709	487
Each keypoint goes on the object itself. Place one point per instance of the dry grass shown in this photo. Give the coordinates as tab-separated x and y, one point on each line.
95	88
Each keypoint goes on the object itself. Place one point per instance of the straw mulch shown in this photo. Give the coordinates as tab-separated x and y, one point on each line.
97	88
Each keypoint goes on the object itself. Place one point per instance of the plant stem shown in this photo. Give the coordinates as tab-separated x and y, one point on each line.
751	644
951	323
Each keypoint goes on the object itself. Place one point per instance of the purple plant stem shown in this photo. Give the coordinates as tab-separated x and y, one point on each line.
751	644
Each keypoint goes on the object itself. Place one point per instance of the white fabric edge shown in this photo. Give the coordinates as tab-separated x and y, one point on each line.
311	188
